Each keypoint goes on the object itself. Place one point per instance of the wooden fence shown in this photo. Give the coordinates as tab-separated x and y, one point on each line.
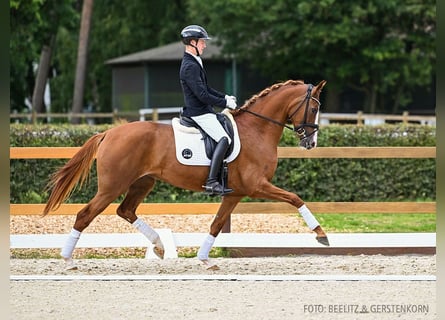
283	152
246	244
251	207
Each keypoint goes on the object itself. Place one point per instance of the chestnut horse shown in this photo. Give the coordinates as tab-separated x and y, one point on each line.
131	157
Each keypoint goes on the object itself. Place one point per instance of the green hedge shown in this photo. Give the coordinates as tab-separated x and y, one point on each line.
311	179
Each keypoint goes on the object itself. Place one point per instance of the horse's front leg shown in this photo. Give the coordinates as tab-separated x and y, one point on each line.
226	208
269	191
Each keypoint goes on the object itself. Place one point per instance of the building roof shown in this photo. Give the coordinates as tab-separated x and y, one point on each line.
170	52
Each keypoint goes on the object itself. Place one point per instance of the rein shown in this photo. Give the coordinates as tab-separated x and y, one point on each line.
299	130
267	119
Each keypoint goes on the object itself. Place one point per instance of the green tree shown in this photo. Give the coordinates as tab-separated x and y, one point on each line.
24	24
33	25
117	28
82	59
383	48
124	27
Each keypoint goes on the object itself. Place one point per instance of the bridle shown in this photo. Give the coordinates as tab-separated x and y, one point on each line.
300	129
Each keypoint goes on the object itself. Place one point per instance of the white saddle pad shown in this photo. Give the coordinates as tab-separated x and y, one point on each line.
190	149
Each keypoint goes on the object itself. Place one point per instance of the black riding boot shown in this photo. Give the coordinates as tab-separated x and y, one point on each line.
213	187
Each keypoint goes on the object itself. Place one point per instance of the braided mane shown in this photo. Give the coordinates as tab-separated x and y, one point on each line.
268	90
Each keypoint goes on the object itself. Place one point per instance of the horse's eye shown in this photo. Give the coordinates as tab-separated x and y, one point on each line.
314	110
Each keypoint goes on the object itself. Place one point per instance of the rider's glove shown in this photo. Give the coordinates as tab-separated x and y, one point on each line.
231	102
231	97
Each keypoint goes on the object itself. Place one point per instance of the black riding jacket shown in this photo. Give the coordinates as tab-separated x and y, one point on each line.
199	98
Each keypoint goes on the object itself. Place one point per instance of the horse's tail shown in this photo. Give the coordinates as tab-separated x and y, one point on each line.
74	172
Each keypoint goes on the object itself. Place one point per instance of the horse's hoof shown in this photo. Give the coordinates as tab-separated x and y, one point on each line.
159	252
69	264
158	248
213	267
209	265
323	240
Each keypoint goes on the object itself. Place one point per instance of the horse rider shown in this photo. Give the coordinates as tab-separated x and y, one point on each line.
199	99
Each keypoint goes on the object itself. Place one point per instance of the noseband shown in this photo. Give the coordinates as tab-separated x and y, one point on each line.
300	129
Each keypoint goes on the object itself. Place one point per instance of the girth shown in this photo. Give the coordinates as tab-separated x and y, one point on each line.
209	143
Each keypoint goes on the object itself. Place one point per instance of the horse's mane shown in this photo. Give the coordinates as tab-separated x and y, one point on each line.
268	90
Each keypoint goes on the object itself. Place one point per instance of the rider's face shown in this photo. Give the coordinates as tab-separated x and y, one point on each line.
201	45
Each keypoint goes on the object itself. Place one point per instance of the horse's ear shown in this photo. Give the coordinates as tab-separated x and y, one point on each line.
319	86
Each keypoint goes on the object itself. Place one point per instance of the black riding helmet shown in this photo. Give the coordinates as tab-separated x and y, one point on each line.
193	32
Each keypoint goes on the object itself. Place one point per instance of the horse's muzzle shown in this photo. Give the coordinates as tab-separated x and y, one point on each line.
308	143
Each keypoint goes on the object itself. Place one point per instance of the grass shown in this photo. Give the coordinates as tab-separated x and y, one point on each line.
79	253
350	223
331	223
107	253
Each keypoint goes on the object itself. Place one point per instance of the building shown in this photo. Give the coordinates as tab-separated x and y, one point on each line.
150	78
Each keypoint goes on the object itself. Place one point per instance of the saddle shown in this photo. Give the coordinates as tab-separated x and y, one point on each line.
209	143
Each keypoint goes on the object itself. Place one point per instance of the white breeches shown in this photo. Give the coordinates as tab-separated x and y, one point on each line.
210	124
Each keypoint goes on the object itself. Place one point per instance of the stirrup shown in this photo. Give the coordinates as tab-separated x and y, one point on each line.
215	188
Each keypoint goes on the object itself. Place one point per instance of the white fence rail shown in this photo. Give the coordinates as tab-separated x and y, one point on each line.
228	240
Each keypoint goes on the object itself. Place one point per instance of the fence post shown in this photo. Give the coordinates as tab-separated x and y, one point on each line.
33	116
155	115
359	118
114	117
405	115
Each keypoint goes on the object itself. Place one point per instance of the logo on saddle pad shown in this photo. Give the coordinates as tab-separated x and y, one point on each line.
191	147
187	153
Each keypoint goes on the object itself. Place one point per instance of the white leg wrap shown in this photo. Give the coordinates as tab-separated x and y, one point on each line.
308	217
146	230
203	253
70	244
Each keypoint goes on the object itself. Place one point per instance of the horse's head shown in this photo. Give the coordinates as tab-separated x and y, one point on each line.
304	114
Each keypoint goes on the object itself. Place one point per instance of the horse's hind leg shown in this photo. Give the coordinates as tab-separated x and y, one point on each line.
83	220
127	210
